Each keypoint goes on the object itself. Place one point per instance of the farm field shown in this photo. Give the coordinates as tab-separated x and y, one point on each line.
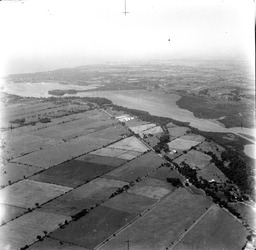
12	172
25	229
211	147
24	144
93	228
9	212
136	168
150	189
177	131
106	160
140	128
152	140
48	244
51	156
85	196
153	230
135	122
193	137
195	159
165	172
181	144
27	193
216	230
72	173
152	131
108	152
130	144
211	172
129	202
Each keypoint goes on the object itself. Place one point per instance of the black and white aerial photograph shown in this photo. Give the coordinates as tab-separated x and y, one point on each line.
127	125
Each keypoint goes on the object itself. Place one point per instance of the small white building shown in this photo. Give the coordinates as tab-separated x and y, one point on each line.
124	118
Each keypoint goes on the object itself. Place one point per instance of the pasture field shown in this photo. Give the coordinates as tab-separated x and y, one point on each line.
106	160
13	172
216	230
193	137
181	144
130	203
9	212
140	128
154	130
73	129
152	140
195	159
92	229
165	172
177	131
246	212
72	173
148	190
115	132
25	229
211	147
162	225
50	244
130	144
24	144
212	172
135	122
85	196
136	168
27	193
129	155
52	156
108	152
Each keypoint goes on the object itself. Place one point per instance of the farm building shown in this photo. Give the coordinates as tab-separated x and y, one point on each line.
124	118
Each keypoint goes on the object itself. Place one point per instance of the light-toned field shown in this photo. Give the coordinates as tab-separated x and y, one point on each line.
110	152
154	130
25	229
21	145
8	212
140	128
135	122
50	244
177	131
195	159
72	173
85	196
181	144
193	137
27	193
130	144
211	147
129	202
211	172
13	172
52	156
151	188
163	224
136	168
129	155
92	229
216	230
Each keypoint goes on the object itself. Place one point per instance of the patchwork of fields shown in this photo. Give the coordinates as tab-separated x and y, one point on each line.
84	180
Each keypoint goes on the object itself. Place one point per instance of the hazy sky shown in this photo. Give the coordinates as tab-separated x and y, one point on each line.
38	35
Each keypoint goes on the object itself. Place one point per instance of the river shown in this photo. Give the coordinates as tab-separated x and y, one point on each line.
155	103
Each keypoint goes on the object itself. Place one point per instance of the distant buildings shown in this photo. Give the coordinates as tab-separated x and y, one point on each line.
124	118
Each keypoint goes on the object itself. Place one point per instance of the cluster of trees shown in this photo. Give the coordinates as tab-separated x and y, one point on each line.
174	181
